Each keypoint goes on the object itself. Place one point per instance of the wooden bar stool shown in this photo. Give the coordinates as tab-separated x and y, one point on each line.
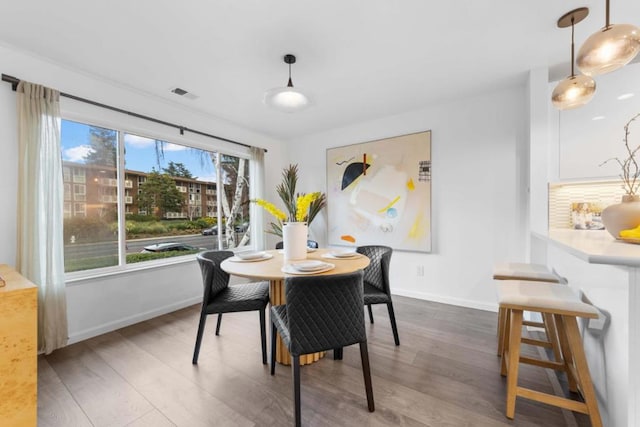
529	272
564	306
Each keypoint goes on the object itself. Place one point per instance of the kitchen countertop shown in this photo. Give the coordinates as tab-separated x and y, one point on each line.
594	246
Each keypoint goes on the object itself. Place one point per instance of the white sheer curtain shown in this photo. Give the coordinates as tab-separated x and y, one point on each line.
40	255
257	192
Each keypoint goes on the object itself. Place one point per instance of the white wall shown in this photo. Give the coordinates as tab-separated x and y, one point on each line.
479	175
479	194
8	174
99	305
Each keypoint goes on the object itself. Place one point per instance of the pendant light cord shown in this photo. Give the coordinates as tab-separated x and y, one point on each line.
573	46
290	84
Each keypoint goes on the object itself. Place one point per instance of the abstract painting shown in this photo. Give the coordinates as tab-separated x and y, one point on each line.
379	193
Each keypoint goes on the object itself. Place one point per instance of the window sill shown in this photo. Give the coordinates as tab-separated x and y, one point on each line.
80	277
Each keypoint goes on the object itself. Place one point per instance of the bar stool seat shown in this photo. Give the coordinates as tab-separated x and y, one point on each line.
530	272
564	306
524	271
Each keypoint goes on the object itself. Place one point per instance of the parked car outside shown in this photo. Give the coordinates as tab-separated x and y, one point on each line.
212	231
170	246
241	228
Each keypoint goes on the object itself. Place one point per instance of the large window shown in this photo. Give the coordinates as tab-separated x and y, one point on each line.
176	200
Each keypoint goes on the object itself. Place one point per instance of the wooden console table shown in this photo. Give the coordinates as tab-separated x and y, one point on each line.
18	350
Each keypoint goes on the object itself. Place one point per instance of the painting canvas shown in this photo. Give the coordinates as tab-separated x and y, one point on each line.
379	193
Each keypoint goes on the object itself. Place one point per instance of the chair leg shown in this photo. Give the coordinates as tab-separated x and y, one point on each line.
366	372
515	331
501	319
196	350
394	326
295	369
273	349
370	313
337	353
218	324
263	336
575	342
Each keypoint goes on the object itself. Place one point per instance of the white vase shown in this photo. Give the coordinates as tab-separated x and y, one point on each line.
294	238
622	216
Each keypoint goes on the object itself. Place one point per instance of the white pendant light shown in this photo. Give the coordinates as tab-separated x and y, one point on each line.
613	47
287	99
574	91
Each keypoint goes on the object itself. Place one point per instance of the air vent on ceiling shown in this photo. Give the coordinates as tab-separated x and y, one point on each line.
181	92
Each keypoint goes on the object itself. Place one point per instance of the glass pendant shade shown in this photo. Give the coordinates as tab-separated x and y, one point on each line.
286	99
572	92
613	47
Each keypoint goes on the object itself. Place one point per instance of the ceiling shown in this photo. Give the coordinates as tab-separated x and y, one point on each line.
359	59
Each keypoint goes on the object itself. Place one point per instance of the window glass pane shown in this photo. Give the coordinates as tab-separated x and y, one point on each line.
89	155
171	200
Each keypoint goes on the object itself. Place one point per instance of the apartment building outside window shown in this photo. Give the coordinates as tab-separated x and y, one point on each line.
170	197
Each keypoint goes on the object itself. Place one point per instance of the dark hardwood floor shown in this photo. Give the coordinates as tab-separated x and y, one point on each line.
444	373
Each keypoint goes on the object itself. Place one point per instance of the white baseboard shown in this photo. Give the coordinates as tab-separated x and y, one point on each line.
447	300
130	320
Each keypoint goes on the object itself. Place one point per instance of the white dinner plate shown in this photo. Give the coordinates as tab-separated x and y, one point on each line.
311	265
290	269
344	253
341	255
264	257
249	255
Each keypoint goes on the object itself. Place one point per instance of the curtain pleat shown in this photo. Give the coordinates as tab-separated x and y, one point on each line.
40	244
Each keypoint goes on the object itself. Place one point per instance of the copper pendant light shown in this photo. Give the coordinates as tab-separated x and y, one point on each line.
612	47
575	90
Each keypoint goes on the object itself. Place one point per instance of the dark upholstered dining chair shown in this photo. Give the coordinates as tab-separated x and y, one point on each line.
310	244
321	313
376	282
220	298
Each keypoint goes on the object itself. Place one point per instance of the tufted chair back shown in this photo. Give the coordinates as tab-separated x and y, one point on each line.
377	273
324	312
214	279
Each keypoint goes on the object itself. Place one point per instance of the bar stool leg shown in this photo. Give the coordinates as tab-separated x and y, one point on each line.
502	317
567	354
505	345
552	336
515	335
575	342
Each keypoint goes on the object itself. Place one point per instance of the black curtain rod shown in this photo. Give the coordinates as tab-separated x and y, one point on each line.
14	85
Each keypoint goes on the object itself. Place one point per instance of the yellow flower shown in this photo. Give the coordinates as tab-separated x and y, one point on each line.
302	205
271	208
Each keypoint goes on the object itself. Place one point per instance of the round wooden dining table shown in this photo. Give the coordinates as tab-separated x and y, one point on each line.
271	269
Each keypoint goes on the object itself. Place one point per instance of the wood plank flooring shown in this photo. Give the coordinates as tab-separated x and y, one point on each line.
444	373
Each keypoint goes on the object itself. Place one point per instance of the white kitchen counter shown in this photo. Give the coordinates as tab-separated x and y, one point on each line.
607	272
595	247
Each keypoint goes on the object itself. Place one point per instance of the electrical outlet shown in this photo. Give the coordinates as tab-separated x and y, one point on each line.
420	271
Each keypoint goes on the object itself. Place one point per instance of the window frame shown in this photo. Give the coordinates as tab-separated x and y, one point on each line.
94	116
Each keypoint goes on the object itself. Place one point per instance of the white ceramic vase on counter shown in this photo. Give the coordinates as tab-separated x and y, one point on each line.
294	238
622	216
